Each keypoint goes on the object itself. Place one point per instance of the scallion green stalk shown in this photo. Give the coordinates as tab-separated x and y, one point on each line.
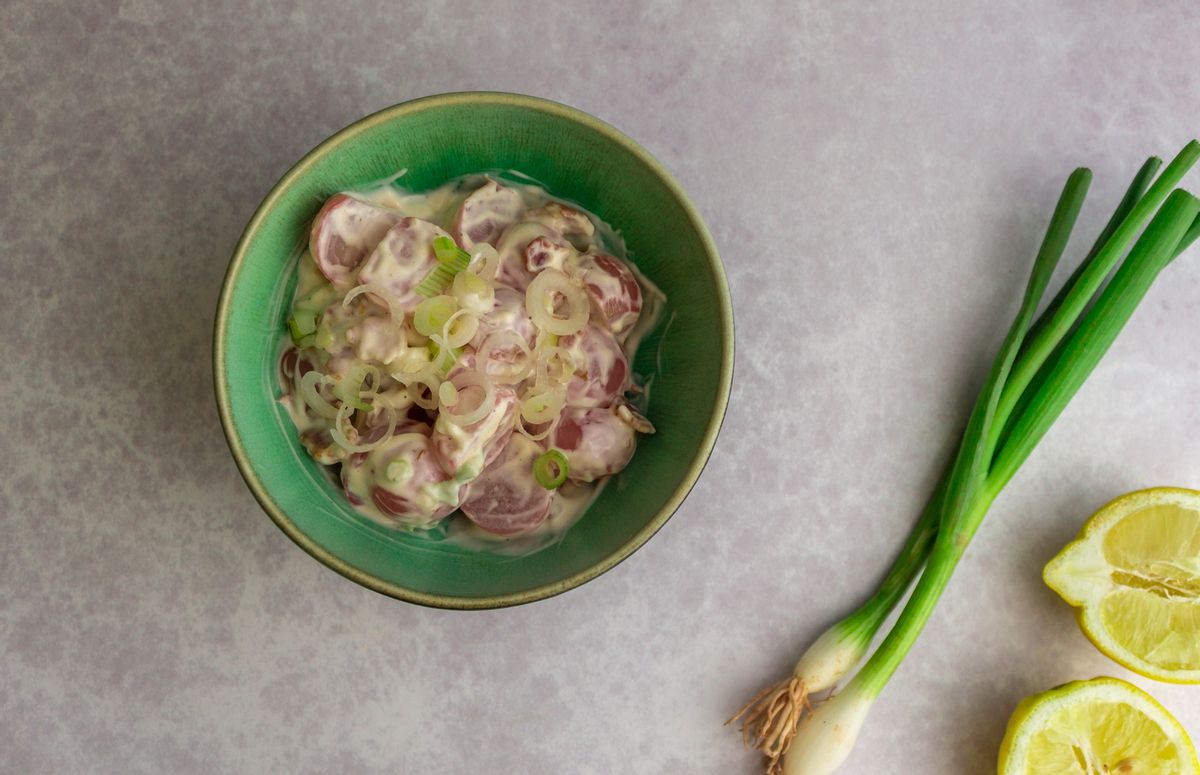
1137	189
1087	283
1081	353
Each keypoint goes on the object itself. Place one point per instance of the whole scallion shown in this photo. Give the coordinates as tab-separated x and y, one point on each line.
1040	366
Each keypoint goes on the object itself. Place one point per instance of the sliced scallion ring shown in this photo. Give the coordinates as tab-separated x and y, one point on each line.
312	396
450	255
431	315
323	338
542	406
551	469
462	412
443	359
503	370
548	428
485	261
473	292
555	365
435	282
380	294
447	394
451	260
302	325
414	361
343	441
458	329
556	303
426	398
350	388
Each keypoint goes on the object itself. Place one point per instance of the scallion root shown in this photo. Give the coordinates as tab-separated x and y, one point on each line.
769	721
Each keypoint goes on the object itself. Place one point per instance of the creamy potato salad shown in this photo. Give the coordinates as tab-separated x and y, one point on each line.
466	348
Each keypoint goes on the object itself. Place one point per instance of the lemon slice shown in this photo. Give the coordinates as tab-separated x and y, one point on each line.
1134	574
1099	727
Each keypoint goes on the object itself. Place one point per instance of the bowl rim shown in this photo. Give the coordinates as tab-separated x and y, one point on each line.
369	580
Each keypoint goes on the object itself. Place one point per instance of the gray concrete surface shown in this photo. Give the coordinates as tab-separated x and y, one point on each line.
876	175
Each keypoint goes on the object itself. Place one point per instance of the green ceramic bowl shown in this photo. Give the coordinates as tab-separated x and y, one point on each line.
577	158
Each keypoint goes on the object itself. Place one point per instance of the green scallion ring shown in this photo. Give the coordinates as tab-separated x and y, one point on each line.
445	249
323	338
551	469
450	255
301	325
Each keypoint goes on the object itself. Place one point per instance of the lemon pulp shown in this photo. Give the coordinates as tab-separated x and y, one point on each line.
1134	572
1099	727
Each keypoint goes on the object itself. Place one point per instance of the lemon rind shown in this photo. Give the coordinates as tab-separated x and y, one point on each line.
1033	712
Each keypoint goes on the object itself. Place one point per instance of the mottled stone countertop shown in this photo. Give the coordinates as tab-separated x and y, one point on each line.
876	175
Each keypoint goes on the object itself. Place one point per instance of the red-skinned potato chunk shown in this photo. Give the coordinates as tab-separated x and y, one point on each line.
601	368
613	289
403	258
506	498
456	446
596	442
485	214
344	233
403	479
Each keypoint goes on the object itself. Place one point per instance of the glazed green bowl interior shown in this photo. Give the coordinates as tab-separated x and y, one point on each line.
577	158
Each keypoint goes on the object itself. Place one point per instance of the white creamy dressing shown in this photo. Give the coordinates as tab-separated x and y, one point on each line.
360	478
439	206
653	303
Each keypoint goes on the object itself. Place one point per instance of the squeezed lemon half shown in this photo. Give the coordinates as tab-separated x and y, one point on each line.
1100	727
1134	575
